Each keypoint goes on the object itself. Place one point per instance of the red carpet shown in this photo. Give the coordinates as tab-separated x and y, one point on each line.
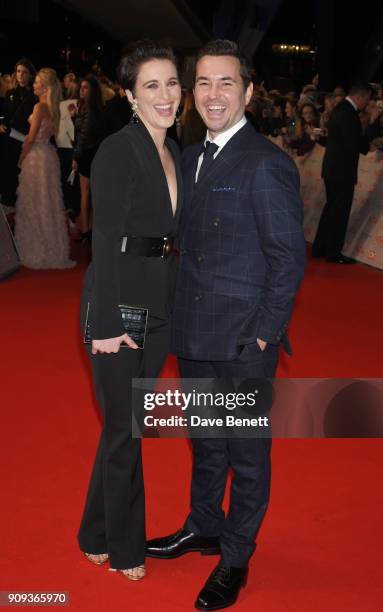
321	544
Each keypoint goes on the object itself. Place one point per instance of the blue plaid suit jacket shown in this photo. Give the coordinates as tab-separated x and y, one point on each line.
242	249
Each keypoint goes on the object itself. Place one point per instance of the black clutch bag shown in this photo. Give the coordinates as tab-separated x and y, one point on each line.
134	321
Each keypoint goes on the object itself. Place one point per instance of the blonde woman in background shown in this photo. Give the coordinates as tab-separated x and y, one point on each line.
41	230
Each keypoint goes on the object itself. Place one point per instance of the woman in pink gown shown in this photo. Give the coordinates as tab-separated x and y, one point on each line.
41	229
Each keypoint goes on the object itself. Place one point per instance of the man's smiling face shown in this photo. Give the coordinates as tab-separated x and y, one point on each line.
220	95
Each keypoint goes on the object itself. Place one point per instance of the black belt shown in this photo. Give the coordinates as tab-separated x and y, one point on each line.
148	247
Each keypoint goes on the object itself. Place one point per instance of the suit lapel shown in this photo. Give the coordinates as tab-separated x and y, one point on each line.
219	167
158	171
223	164
189	171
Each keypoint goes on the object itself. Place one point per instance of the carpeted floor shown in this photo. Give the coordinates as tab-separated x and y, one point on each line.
321	544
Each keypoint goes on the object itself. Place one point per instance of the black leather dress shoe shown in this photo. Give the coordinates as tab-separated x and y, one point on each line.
341	259
222	588
180	543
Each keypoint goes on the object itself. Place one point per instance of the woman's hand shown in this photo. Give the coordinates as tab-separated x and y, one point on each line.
24	151
300	159
310	132
112	345
376	143
23	155
72	109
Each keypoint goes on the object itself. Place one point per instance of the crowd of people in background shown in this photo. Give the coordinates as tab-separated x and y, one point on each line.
86	109
302	119
89	109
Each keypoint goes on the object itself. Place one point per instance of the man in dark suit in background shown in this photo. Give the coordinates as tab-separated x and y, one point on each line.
345	142
242	260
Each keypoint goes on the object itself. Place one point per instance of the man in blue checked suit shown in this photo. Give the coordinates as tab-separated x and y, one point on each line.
242	260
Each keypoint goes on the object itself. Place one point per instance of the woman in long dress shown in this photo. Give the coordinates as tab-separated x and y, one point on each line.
41	229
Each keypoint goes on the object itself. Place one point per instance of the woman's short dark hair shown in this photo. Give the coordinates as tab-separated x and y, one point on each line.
24	61
228	48
137	54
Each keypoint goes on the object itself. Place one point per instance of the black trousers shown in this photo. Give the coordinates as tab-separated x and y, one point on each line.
248	458
10	182
332	226
113	521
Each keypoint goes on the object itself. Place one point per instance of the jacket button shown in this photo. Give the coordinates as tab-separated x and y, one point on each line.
200	258
197	298
216	221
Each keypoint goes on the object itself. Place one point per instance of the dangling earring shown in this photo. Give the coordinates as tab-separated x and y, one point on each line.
134	107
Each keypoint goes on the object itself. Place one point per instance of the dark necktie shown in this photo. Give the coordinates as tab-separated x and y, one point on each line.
208	157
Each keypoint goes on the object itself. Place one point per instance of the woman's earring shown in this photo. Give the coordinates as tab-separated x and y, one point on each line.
134	107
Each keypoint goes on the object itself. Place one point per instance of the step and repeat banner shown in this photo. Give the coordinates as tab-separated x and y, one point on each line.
364	239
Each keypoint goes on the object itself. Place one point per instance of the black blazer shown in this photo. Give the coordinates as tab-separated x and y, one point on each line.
242	249
130	198
89	131
18	106
345	142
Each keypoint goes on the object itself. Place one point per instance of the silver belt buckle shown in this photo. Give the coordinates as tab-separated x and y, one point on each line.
166	249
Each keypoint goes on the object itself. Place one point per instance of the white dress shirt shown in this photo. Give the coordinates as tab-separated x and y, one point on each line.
352	103
221	140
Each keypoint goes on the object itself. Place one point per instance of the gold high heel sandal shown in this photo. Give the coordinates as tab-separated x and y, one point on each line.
97	559
134	573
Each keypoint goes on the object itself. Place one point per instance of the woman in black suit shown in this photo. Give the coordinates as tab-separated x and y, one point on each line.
136	191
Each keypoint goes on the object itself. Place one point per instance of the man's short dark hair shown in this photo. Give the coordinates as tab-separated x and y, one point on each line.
360	89
227	48
137	54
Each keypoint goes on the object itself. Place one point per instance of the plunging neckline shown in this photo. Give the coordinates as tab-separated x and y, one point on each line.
173	210
166	184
